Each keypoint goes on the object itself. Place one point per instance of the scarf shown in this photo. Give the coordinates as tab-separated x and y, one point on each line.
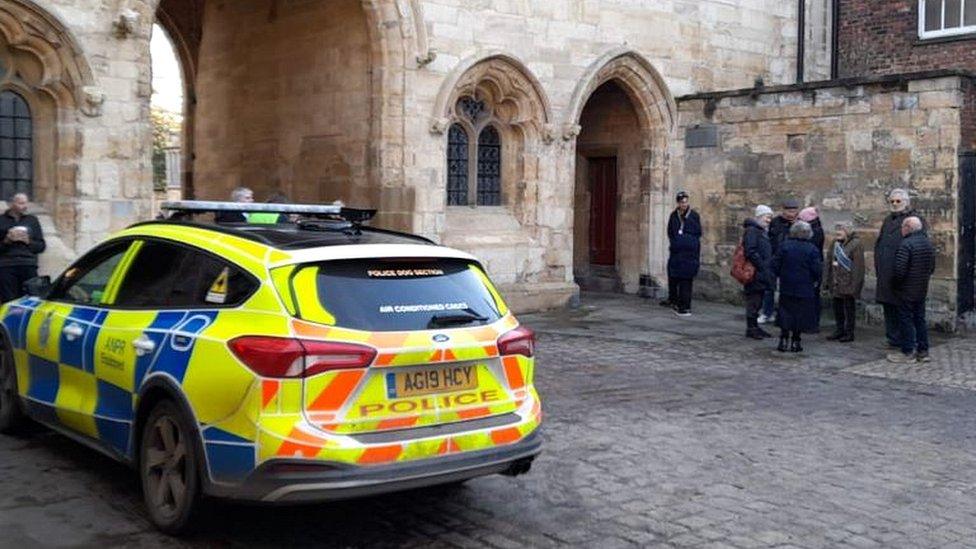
840	256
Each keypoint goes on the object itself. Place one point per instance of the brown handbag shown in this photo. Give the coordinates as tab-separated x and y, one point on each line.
742	269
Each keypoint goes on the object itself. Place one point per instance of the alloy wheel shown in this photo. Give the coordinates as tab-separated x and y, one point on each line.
166	468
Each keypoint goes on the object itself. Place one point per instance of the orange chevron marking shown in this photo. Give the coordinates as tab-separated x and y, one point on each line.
306	329
381	454
398	423
385	359
474	412
505	436
513	372
337	392
449	355
269	389
300	443
491	350
448	446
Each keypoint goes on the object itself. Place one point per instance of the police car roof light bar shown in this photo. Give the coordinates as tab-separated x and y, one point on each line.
321	211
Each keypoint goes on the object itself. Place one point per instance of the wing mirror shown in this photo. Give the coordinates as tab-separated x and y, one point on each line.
39	286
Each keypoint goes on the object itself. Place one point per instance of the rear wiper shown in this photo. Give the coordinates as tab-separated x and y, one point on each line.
449	320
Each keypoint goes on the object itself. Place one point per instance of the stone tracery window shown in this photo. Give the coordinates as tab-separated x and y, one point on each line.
473	136
16	146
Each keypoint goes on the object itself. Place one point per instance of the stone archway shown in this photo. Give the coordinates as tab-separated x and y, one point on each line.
621	88
42	62
296	97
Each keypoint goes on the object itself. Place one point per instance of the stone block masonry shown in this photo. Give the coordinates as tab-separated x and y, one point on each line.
837	145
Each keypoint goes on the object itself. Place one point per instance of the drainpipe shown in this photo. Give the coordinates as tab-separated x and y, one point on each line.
835	40
801	23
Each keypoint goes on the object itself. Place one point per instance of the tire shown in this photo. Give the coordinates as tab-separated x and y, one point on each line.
168	469
12	418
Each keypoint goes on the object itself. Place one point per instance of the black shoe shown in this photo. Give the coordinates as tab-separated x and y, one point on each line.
783	344
835	336
795	346
846	338
755	333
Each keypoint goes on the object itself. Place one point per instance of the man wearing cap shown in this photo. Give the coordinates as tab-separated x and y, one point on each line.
779	229
684	261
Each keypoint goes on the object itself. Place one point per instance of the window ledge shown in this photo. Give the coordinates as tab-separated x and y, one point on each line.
944	39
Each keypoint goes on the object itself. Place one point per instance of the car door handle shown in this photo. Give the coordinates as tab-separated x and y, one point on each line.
73	331
143	345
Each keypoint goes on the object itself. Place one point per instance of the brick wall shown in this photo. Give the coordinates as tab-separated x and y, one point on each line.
881	37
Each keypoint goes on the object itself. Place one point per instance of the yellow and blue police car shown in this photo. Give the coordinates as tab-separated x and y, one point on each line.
310	360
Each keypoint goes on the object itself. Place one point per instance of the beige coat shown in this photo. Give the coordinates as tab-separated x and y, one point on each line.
839	281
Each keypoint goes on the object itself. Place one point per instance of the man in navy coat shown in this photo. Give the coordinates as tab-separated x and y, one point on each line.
684	235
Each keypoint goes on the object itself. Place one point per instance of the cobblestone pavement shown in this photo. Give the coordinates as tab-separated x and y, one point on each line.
660	431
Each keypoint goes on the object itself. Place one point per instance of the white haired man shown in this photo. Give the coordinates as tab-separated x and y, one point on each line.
240	194
914	266
22	241
885	250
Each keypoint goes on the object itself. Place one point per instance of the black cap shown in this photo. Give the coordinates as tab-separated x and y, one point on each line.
791	204
680	196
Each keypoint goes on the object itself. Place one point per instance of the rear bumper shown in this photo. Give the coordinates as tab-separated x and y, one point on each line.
327	481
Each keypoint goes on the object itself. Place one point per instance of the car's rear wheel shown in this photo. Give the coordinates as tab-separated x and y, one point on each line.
168	468
12	418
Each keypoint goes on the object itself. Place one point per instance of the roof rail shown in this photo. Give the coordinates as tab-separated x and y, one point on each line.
189	208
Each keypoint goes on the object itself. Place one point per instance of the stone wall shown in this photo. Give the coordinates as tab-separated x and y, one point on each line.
283	101
839	147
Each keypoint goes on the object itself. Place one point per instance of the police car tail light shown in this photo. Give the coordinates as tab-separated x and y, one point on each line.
322	356
520	341
288	357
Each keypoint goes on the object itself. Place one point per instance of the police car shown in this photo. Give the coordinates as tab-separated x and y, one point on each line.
311	360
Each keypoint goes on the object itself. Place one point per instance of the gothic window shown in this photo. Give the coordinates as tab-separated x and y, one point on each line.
474	152
16	146
457	166
489	167
938	18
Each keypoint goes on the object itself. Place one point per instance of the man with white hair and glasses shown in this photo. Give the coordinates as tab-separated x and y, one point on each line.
885	250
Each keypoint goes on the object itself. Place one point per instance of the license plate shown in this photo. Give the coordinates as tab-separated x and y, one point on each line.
427	381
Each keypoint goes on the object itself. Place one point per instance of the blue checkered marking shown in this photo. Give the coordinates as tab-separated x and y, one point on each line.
113	402
213	434
114	433
230	462
72	352
158	332
174	357
44	379
16	322
91	341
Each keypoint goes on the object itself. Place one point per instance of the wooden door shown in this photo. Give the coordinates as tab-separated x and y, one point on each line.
603	210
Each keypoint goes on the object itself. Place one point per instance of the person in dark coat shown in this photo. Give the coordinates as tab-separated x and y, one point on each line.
799	267
240	194
23	241
914	266
885	249
759	252
779	228
684	260
845	279
812	216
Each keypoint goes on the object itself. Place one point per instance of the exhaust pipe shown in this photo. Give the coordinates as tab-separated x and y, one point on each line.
519	467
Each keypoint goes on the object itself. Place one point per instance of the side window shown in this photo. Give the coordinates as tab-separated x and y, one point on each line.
167	275
86	281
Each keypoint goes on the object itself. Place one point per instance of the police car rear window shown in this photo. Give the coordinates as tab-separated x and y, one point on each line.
395	295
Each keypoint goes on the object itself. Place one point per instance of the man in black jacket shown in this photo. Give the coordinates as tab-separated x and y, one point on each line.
684	260
885	248
22	241
914	265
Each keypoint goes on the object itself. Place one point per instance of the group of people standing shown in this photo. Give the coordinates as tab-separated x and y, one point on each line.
784	254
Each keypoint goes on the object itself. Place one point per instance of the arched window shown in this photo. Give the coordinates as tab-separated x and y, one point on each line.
457	166
474	156
16	146
489	167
